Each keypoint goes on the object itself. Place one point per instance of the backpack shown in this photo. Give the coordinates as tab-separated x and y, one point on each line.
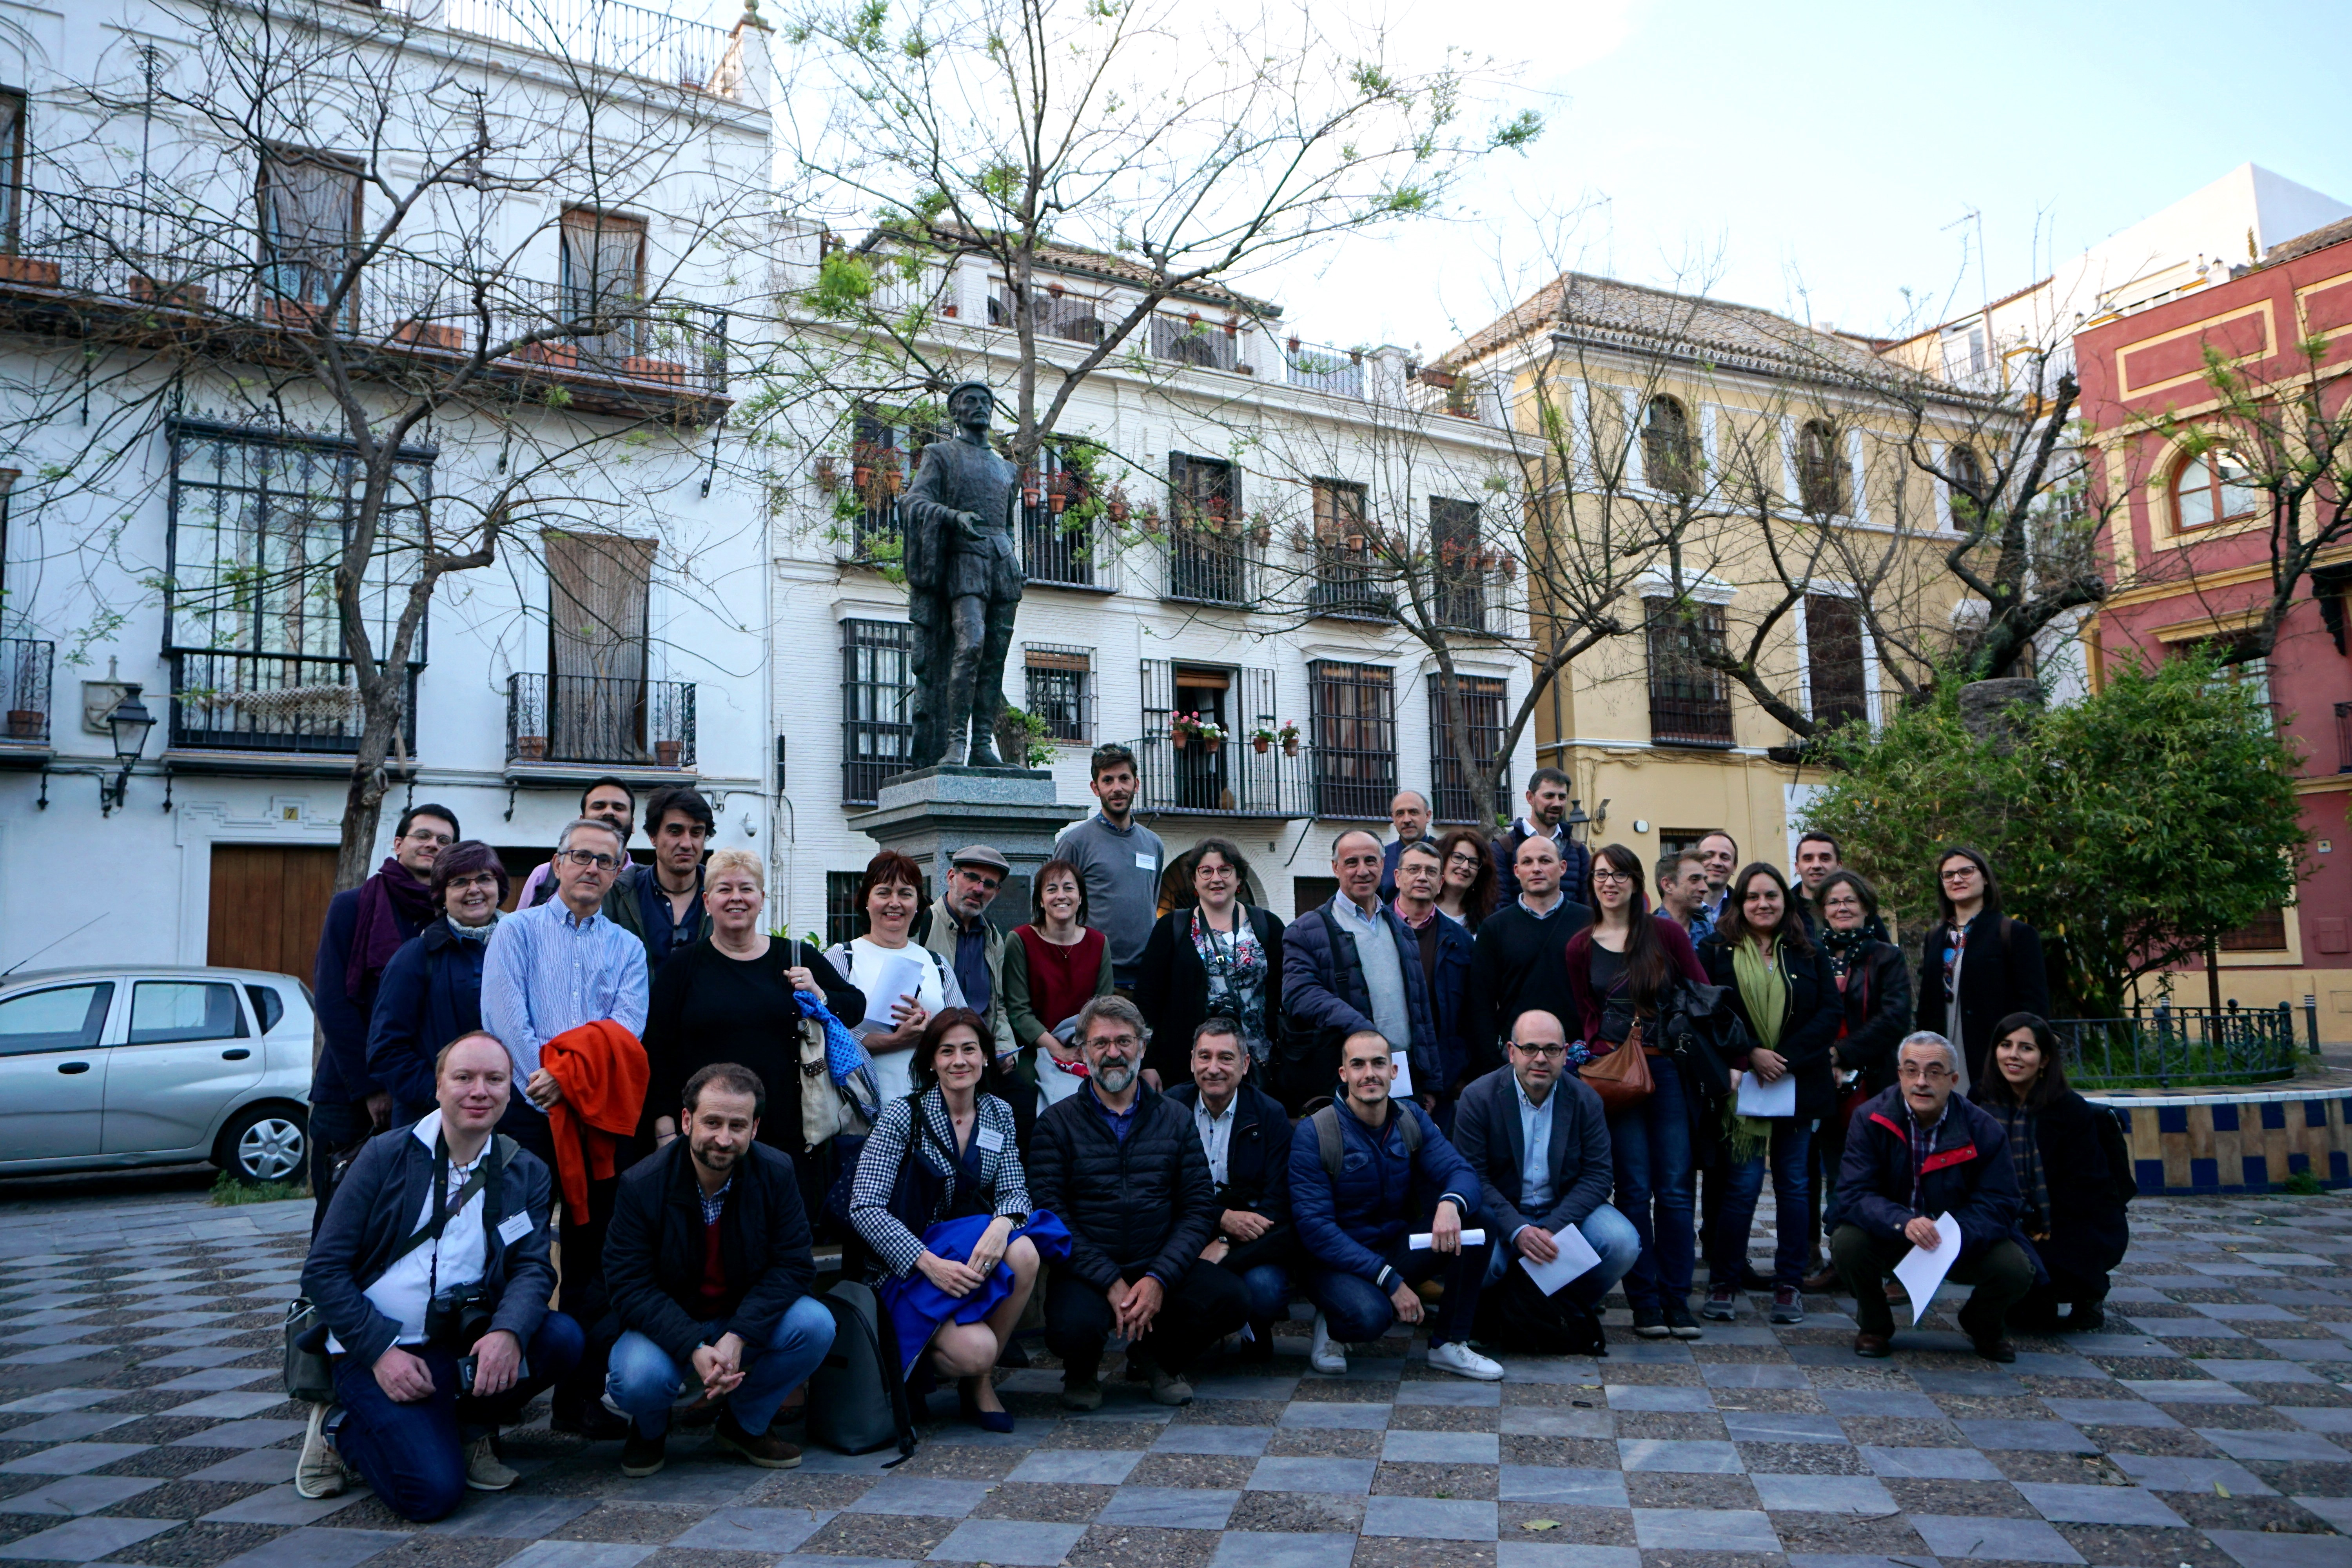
1327	1143
856	1401
1514	1314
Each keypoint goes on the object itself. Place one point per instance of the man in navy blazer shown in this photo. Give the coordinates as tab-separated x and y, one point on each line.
1538	1140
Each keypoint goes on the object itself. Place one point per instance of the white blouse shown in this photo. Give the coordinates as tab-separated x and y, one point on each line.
865	958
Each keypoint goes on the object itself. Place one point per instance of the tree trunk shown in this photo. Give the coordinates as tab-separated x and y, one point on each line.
384	709
1986	708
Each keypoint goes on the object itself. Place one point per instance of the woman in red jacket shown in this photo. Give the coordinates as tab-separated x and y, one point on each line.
1619	969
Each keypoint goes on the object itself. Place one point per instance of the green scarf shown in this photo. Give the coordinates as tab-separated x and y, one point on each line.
1764	992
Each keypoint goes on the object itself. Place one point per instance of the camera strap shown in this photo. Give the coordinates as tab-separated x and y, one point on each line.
442	1208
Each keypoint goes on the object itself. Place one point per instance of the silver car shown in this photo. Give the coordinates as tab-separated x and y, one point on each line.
115	1066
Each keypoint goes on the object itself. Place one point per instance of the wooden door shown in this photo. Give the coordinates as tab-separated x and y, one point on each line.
268	903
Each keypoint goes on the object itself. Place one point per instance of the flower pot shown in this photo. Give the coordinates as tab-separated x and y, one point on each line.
1290	747
173	296
666	753
564	355
27	723
530	748
1178	740
1258	744
302	315
1215	744
430	334
640	367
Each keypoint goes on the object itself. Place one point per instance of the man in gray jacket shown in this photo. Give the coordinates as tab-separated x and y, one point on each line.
1538	1140
1119	859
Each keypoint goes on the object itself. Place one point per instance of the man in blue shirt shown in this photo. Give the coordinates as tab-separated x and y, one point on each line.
1363	1174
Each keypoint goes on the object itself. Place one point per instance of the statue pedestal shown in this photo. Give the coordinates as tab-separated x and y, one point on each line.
931	813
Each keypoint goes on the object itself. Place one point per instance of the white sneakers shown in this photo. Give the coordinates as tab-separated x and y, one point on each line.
1328	1358
318	1473
1463	1362
484	1471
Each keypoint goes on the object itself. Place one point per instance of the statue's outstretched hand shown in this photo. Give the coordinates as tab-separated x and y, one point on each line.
968	523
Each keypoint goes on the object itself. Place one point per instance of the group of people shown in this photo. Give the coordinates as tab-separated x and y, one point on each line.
1154	1111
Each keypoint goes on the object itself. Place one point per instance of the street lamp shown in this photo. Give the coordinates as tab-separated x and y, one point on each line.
130	721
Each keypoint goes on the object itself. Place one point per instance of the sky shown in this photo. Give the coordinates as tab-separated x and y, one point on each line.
1821	158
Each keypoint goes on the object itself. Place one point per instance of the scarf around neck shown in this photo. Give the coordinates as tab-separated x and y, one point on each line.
2032	1180
1841	946
387	899
1763	990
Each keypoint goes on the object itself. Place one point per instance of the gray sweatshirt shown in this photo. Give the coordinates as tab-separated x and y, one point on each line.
1120	869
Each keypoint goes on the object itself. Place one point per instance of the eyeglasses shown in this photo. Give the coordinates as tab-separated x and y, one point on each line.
589	858
1467	862
1120	1042
985	884
1930	1071
1854	904
426	836
478	880
1539	1050
1960	874
1603	874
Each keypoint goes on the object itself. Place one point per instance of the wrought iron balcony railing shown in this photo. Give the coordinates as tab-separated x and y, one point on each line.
299	703
615	721
1231	779
1340	372
1703	721
25	675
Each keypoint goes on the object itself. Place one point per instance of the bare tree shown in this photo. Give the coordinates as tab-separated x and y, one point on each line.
320	221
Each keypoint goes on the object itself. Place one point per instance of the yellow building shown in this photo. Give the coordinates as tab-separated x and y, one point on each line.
1743	509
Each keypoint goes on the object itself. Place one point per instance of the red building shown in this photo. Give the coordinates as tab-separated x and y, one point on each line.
2191	545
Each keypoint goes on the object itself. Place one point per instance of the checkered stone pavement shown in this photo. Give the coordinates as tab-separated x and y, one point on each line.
139	1423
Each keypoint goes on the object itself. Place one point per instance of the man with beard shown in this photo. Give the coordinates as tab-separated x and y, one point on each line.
1123	1167
1119	860
708	1268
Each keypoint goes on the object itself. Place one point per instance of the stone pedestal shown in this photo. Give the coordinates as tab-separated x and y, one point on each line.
932	813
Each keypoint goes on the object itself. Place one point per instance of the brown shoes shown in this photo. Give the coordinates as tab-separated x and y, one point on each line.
767	1450
1876	1347
1820	1282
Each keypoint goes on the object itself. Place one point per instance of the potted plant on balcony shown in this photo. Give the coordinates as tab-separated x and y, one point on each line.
1213	735
1262	738
1288	736
29	270
1182	728
667	752
27	723
530	748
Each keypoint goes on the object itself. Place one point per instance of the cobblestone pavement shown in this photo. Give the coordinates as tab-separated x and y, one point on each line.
141	1423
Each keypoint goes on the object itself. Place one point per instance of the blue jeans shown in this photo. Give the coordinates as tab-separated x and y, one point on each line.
1359	1311
643	1381
1268	1285
1605	1231
1654	1184
412	1455
1727	1226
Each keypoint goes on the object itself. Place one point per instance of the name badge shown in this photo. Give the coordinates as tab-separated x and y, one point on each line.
514	1227
1147	863
990	1140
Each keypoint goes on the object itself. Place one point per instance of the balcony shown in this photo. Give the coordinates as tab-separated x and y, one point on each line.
25	674
556	724
1234	780
1703	723
1208	567
1056	555
1344	584
1340	372
145	276
275	705
607	33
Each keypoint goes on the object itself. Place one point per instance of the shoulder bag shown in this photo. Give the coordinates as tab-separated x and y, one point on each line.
1622	1079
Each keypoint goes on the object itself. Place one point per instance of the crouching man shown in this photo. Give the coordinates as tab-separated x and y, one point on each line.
431	1271
709	1268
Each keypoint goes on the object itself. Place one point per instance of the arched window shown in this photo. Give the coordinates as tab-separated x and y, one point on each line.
2211	487
1666	445
1964	485
1821	469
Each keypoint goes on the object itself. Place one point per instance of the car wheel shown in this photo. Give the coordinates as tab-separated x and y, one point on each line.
264	1144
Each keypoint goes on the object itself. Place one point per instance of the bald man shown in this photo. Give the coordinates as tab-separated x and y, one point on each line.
1348	966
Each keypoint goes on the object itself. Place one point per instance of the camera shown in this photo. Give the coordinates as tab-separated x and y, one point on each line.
458	1317
467	1364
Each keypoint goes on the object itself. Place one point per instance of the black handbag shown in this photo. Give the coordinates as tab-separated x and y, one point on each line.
1702	1032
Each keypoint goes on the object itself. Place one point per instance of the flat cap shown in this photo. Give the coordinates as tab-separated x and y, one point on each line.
982	855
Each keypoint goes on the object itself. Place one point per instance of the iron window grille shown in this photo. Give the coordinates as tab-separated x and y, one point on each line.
1837	674
1482	702
878	693
1232	778
1207	553
882	457
1345	564
1459	578
1191	340
844	920
1354	711
1057	312
1055	549
1061	691
1690	705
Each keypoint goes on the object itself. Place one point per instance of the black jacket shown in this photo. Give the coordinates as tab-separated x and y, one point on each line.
1144	1200
341	1076
2000	974
1323	996
652	1250
375	1208
1257	1168
2088	1232
430	994
1809	1024
1172	990
1488	1133
1518	962
1877	1008
1969	1176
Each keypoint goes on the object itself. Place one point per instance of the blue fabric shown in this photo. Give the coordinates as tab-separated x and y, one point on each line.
430	994
1120	1122
1449	996
845	1059
1608	1233
1655	1184
413	1454
548	970
1268	1285
642	1379
1735	1212
663	935
1381	1193
918	1307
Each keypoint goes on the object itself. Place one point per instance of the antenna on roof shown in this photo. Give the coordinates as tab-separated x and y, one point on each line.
46	946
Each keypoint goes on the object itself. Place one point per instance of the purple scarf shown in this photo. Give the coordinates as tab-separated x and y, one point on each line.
393	905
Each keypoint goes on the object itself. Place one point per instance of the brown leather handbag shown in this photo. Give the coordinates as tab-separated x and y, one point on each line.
1622	1079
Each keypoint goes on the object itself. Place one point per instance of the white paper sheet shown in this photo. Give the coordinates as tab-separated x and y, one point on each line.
1402	1087
1419	1240
1778	1098
1922	1270
1576	1260
901	974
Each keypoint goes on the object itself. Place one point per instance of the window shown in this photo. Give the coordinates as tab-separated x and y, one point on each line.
1837	672
310	218
1689	703
1964	486
2211	487
1208	558
1820	470
882	457
2266	932
1055	547
877	720
1460	578
1345	561
1062	691
1058	313
602	281
12	171
1354	715
598	587
1232	778
1675	840
1189	340
167	1011
844	920
268	1006
1482	702
68	1018
1666	447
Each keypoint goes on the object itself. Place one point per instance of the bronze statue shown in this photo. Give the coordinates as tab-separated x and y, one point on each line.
964	584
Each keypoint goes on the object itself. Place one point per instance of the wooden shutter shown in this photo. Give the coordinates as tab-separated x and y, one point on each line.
597	588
